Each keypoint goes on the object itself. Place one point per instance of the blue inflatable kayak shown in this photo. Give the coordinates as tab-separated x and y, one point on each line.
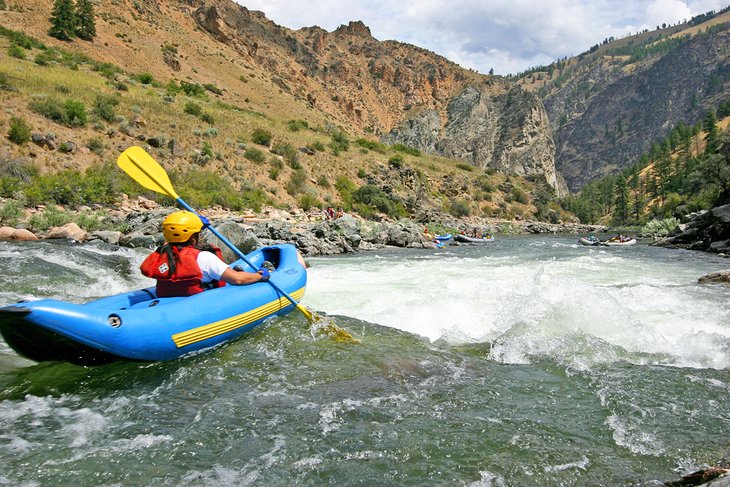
139	326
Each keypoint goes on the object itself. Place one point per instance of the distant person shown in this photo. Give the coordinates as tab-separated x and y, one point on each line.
183	268
330	213
340	212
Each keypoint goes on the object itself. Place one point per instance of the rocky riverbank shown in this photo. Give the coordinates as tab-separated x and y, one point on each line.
311	232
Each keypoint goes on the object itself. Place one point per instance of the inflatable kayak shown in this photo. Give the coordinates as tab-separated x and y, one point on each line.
464	238
590	241
619	243
443	238
139	326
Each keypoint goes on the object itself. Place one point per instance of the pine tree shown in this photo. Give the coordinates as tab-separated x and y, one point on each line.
85	23
63	20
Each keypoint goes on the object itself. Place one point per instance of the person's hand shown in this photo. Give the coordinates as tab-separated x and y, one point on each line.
265	274
206	222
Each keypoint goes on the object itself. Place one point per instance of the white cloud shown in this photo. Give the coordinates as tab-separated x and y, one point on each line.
507	35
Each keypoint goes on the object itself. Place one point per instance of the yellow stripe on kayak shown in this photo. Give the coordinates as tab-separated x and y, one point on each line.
224	326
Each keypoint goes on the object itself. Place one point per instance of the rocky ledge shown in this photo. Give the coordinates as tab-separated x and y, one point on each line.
311	232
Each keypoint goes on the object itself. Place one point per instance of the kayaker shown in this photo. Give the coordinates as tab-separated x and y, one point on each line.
183	268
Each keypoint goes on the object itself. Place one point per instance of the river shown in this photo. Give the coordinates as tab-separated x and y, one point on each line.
526	361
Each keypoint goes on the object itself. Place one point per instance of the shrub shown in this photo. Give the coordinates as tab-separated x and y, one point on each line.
374	197
192	108
297	182
660	228
105	107
261	137
254	155
213	88
465	166
297	125
460	208
408	150
308	201
10	213
145	78
19	132
96	145
192	89
520	195
16	51
50	217
396	162
339	142
371	145
207	118
323	182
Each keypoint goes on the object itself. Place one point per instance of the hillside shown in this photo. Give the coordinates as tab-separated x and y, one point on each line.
608	105
199	82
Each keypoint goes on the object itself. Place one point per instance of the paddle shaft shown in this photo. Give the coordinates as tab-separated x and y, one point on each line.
240	254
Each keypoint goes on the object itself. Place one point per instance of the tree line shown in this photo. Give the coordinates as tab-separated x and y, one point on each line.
689	170
71	19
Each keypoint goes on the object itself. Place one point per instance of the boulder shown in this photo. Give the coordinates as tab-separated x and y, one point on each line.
70	231
719	277
6	233
23	234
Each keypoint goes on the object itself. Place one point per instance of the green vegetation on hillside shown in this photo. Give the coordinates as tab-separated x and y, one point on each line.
690	168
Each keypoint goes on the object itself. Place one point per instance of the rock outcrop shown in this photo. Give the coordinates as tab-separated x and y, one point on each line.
404	93
608	108
708	231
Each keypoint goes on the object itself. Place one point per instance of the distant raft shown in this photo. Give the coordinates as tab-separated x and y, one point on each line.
477	240
590	241
625	242
138	325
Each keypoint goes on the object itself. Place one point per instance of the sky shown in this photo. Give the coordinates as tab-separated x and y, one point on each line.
508	36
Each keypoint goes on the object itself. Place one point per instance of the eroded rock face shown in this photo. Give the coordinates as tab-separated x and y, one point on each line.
404	93
509	132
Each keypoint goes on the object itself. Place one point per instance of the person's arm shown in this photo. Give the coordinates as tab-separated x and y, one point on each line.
241	278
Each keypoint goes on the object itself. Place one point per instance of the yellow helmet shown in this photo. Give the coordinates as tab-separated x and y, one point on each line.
178	227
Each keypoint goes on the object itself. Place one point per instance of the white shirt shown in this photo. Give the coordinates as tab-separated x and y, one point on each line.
211	266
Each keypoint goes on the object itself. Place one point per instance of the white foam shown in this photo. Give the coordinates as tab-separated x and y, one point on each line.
582	309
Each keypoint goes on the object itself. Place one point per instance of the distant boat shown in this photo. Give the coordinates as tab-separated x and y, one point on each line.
465	238
590	241
619	242
443	238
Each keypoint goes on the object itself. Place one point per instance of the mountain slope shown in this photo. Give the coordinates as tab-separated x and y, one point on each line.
609	105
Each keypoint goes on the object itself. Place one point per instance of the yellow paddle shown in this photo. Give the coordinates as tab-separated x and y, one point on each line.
141	167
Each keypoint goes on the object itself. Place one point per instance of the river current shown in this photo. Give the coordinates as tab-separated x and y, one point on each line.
526	361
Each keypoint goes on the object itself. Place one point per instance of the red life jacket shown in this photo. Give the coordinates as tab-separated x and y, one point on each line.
177	271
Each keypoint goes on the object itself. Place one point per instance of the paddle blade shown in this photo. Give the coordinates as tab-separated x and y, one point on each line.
141	167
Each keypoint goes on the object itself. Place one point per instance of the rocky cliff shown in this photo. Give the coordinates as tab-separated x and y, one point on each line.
400	92
607	107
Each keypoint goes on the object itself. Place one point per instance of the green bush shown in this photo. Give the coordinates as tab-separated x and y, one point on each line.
465	166
71	113
145	78
192	108
105	107
339	142
308	201
213	88
396	161
254	155
96	145
374	197
10	213
207	118
297	182
16	51
297	125
50	217
520	195
371	145
460	208
261	137
19	132
346	187
408	150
